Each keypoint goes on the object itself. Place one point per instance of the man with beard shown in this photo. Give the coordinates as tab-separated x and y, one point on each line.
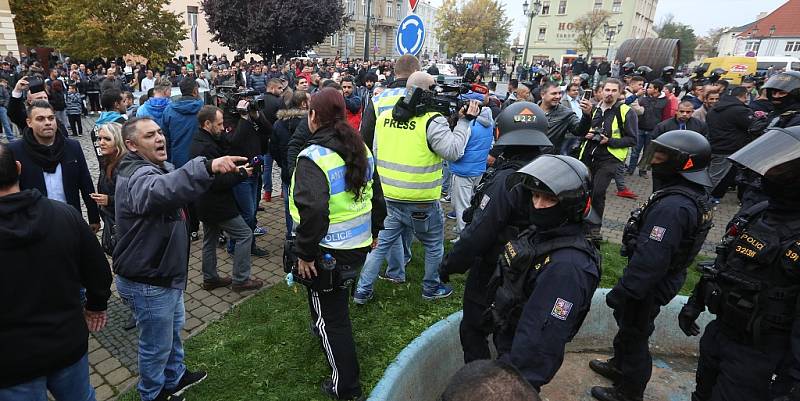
54	164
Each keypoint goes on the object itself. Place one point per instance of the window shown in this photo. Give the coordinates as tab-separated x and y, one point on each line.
335	39
545	8
562	7
598	4
351	7
752	46
399	16
364	6
792	46
191	15
351	38
616	6
542	33
389	9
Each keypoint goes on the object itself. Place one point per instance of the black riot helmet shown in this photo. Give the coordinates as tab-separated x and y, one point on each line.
788	81
668	71
643	70
688	154
564	177
716	74
522	124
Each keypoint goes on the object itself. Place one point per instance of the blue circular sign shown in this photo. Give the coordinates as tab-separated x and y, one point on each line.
410	35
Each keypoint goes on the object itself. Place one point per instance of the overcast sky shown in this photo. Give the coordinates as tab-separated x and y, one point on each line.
703	15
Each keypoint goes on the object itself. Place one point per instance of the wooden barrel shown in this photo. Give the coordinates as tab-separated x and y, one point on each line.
655	53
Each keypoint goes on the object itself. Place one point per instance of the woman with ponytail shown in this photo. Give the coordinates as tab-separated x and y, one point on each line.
337	206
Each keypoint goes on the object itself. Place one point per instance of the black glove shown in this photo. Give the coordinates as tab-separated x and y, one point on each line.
688	314
615	300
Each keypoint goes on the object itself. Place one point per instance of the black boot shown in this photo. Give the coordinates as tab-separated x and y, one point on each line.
611	394
606	369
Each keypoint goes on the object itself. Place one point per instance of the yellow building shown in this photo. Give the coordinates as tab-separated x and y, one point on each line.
552	31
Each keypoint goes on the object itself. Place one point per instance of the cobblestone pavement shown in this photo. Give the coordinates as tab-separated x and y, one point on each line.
112	352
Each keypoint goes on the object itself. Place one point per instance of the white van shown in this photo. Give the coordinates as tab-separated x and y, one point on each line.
787	63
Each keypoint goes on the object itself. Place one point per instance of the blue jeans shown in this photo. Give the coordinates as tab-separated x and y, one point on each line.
246	195
267	173
641	144
427	222
399	256
6	123
159	314
68	384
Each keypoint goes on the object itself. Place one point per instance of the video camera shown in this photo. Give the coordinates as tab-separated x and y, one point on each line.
228	96
441	98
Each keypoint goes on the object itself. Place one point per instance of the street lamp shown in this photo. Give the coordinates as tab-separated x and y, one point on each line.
366	30
530	13
611	31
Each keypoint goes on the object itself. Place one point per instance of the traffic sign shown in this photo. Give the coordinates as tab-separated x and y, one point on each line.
410	35
412	5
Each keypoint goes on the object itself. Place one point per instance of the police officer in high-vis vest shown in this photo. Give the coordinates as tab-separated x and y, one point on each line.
606	146
545	278
751	350
660	239
409	154
337	206
496	215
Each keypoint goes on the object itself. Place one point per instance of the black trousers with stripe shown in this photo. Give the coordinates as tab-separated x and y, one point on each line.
330	318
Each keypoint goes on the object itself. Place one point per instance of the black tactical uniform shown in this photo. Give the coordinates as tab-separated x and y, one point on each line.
668	76
786	113
753	286
661	239
545	278
496	215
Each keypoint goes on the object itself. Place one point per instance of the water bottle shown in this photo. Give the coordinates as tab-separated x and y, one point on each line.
326	272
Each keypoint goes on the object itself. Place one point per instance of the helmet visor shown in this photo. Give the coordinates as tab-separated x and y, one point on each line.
775	147
546	174
657	153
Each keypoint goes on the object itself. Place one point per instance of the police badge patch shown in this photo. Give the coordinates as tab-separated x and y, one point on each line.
658	233
561	309
485	201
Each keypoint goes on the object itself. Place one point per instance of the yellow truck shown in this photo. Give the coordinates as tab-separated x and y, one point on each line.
736	67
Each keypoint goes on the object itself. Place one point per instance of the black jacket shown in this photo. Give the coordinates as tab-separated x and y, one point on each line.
563	123
49	254
728	124
75	176
692	124
272	104
298	142
248	137
594	150
282	131
217	204
18	115
312	204
653	110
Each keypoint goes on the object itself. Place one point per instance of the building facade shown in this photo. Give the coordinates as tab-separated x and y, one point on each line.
8	36
431	48
191	12
552	32
776	34
348	43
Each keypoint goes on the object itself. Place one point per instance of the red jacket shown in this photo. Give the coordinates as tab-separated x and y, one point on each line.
354	119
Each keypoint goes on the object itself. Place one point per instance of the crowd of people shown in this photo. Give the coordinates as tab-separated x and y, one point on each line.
366	163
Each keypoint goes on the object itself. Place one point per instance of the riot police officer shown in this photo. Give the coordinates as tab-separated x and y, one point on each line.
496	215
660	239
545	278
783	91
753	285
668	76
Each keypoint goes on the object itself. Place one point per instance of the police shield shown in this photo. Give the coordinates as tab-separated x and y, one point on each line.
777	146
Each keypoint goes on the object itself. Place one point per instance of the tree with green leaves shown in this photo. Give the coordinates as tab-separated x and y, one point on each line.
28	21
88	28
478	26
587	28
669	29
272	27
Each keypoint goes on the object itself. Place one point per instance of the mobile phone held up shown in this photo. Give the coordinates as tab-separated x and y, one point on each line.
587	95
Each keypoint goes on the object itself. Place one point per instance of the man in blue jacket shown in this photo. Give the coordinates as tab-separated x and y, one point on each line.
179	122
154	107
468	169
151	258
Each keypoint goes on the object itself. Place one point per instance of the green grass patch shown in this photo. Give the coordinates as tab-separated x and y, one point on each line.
262	350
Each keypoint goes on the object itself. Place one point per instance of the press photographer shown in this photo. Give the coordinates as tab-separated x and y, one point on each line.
411	141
